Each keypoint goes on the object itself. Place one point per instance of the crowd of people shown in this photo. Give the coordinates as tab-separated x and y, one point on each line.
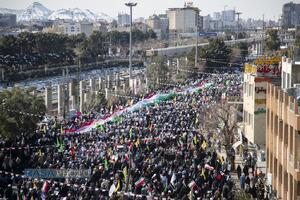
252	183
161	150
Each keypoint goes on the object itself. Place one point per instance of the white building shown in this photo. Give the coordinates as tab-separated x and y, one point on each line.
71	28
256	78
160	25
183	20
229	18
123	19
290	73
74	28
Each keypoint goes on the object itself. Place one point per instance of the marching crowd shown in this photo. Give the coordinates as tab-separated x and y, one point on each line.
160	151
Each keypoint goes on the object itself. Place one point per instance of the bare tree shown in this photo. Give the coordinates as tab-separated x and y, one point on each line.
222	117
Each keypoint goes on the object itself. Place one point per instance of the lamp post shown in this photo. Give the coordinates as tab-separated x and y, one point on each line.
238	24
130	5
197	36
224	17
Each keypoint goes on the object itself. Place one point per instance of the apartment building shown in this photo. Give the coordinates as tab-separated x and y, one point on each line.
256	77
283	141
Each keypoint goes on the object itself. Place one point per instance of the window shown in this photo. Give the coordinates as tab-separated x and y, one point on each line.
249	119
250	90
245	117
284	80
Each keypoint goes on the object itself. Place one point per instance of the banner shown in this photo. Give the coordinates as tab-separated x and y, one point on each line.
57	173
151	99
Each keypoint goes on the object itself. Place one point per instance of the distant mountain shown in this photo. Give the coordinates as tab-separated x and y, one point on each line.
76	14
79	15
37	11
103	17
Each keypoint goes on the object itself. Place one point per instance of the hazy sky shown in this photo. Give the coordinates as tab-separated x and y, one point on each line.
249	8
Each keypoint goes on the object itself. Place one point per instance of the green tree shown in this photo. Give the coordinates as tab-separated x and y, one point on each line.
18	112
243	46
26	42
272	41
242	35
9	45
96	45
216	53
157	72
151	34
138	36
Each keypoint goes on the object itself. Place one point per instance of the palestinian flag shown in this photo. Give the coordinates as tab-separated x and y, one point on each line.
193	185
139	182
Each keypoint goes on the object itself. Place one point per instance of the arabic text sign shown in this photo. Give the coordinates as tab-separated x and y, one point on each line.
268	60
57	173
250	69
260	101
269	70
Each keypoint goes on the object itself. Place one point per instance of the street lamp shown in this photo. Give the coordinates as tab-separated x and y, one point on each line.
197	35
224	17
238	24
130	5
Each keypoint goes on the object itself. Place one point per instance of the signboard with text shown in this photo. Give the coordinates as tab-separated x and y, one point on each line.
265	66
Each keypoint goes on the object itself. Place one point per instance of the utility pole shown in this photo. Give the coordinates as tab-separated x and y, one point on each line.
263	35
130	5
238	24
224	17
197	36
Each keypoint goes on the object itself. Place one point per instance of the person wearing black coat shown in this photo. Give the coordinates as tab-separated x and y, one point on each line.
239	171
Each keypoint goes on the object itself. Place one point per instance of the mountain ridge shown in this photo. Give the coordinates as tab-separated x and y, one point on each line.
37	11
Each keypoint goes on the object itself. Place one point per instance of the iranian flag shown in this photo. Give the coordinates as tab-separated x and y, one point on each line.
140	182
193	185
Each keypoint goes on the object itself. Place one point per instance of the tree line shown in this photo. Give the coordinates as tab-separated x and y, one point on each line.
36	49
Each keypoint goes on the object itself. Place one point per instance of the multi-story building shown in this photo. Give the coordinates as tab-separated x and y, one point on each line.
159	24
8	20
206	22
183	20
290	76
283	141
256	76
123	19
153	22
228	18
71	28
101	26
290	15
217	16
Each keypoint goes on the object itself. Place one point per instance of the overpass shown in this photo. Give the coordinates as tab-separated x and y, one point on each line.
179	50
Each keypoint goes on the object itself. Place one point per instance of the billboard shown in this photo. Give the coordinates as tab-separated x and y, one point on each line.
265	66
